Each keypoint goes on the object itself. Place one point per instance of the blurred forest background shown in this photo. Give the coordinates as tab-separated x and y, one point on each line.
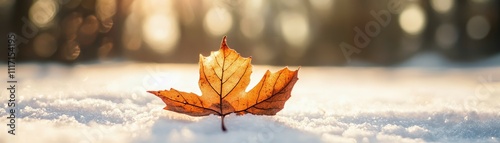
277	32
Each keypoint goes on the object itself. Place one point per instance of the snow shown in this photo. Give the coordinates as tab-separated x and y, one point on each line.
107	102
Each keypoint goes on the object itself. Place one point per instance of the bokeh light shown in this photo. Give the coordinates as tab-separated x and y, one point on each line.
105	10
71	50
412	20
88	30
153	22
478	27
295	31
218	21
446	35
105	48
45	45
161	32
252	26
322	6
155	6
42	12
442	6
132	37
253	7
71	24
252	21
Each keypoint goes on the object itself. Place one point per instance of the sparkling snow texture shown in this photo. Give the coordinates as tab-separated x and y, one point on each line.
109	103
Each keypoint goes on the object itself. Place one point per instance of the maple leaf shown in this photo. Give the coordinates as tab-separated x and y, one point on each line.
224	76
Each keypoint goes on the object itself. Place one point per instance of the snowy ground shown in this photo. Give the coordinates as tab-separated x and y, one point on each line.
108	103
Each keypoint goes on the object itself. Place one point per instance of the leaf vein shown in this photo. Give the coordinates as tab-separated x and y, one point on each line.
231	75
246	69
204	74
192	105
287	84
232	63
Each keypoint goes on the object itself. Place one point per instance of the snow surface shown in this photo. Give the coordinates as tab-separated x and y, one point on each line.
108	102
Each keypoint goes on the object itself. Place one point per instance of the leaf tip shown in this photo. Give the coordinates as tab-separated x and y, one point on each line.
288	68
223	44
153	92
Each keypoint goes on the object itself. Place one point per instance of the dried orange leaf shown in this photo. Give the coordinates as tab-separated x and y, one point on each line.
224	76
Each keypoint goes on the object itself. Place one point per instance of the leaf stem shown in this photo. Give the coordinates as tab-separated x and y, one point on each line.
222	124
